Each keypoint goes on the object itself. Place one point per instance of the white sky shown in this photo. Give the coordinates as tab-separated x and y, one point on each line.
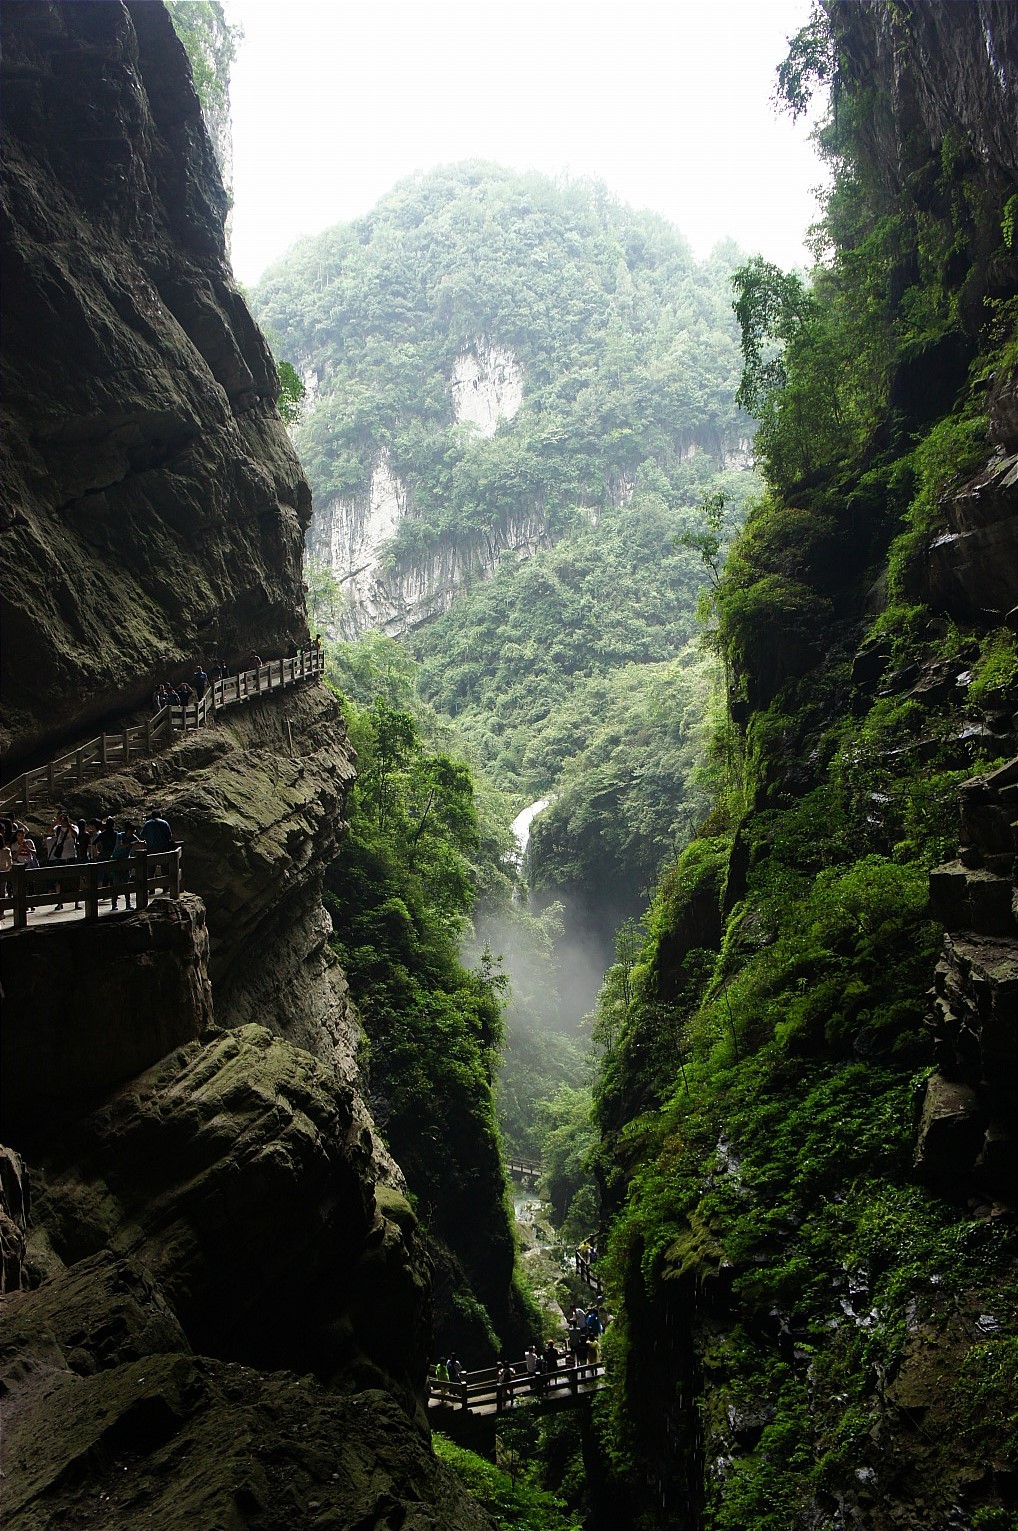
668	103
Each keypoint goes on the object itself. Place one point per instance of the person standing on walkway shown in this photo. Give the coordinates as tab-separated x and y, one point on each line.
128	841
103	844
6	865
505	1397
63	846
156	832
23	852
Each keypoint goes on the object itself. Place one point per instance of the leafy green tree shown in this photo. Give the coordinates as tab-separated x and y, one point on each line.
324	595
292	394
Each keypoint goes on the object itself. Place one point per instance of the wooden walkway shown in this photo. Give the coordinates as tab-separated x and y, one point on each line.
480	1392
45	786
526	1171
138	877
586	1272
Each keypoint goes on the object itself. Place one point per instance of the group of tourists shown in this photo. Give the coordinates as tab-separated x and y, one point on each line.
449	1372
184	692
581	1351
71	842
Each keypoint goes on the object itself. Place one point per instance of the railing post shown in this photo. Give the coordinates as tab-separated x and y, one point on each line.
92	891
79	760
102	749
127	745
175	873
141	879
463	1396
573	1380
148	736
20	897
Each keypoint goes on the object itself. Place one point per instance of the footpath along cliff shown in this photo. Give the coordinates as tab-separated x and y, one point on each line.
216	1300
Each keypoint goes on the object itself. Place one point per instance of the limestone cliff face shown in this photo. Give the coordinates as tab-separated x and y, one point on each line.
153	509
350	535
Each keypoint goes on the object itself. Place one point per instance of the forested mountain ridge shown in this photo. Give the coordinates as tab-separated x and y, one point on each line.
807	1157
492	357
520	394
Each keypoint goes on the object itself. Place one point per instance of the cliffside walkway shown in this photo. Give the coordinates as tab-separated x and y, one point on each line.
480	1392
44	786
65	883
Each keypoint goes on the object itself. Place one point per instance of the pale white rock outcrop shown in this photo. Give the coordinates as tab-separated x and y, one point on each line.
487	386
348	535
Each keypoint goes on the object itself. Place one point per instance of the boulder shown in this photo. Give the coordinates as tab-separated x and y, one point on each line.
178	1442
239	1176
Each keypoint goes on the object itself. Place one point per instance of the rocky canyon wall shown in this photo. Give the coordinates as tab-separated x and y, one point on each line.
153	509
216	1299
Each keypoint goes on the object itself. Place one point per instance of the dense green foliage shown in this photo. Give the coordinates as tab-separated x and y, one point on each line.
399	898
527	663
511	1498
557	668
211	46
626	345
574	676
799	1333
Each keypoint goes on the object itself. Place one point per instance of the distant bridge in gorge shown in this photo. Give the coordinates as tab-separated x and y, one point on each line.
526	1171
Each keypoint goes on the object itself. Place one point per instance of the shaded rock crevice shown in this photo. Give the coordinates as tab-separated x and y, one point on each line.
968	1145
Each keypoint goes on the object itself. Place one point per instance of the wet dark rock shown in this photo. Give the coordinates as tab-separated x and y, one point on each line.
153	505
974	1012
179	1442
950	1134
14	1209
223	1171
88	1005
970	569
869	663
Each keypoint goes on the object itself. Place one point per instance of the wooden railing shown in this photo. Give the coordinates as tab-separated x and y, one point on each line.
111	752
585	1271
137	876
527	1170
482	1391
